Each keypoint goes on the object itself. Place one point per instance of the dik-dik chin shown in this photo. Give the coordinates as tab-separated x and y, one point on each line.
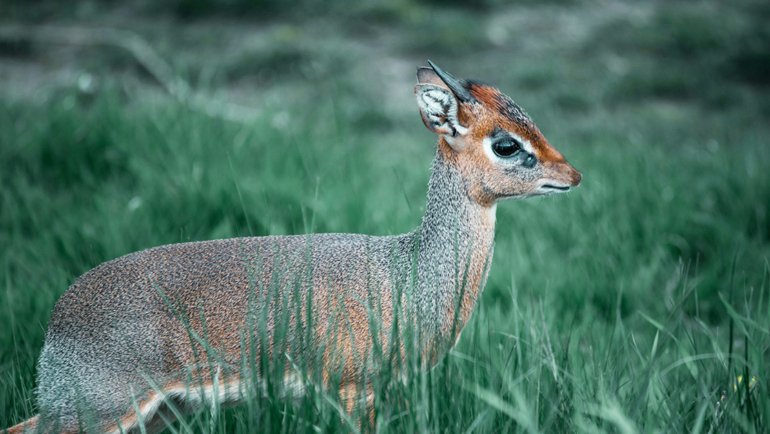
183	324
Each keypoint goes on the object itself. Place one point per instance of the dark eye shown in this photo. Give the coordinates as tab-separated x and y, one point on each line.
506	148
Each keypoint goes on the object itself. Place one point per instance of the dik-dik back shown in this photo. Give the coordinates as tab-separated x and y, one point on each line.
185	323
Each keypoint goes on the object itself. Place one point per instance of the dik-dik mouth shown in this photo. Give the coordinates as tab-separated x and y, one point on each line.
549	189
555	187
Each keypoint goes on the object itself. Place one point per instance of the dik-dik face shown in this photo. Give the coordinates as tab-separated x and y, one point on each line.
495	145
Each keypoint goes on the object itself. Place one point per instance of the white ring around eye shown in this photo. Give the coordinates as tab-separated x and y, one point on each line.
487	145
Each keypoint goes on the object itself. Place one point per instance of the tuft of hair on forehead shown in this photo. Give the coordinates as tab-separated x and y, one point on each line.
500	102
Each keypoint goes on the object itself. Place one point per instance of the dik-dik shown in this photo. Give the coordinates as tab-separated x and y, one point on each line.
181	324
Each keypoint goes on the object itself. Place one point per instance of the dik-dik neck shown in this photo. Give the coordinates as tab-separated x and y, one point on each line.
455	247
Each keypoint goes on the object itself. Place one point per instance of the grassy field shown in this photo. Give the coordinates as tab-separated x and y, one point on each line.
639	302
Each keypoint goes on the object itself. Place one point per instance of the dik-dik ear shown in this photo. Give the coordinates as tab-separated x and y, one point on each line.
427	75
438	108
438	96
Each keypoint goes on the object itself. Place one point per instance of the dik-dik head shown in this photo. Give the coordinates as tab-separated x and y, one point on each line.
499	151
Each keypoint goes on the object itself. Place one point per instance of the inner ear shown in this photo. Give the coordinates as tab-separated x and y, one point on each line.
439	108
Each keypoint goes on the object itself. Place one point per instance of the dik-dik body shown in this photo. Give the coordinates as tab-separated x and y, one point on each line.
181	322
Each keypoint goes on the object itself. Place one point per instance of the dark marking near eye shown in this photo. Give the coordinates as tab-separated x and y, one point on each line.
530	161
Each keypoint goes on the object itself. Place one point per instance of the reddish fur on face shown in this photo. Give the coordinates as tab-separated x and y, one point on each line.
512	118
493	109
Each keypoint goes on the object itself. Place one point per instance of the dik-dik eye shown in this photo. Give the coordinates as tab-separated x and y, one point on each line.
506	148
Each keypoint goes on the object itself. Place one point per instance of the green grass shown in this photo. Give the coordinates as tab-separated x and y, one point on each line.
636	303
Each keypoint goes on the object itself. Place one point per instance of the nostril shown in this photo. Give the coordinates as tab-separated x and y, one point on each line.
576	178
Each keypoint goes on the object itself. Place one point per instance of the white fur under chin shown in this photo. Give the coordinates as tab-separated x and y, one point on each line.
492	215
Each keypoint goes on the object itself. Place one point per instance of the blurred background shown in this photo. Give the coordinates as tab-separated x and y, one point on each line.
125	125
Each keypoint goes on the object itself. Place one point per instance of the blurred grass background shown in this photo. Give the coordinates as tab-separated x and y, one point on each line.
637	303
